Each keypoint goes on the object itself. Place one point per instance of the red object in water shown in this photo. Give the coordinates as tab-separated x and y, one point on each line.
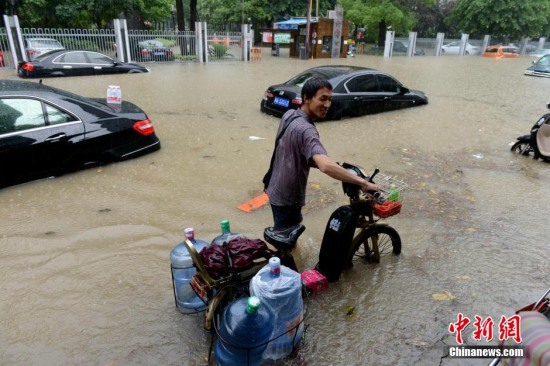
314	281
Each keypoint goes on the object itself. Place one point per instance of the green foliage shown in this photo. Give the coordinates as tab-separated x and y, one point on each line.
88	13
376	15
261	13
502	18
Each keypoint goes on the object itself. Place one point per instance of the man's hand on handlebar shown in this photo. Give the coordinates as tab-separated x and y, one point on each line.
369	188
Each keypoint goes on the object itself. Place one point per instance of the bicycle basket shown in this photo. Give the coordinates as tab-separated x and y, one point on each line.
394	191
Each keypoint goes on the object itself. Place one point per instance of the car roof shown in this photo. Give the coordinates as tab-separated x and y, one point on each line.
333	71
34	88
19	85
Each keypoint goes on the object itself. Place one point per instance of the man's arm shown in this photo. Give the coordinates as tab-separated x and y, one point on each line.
333	170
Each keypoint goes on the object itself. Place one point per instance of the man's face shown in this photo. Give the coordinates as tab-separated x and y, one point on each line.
317	107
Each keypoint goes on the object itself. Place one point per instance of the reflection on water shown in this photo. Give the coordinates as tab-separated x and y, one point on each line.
85	257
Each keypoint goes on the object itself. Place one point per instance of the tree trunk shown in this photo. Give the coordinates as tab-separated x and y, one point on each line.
194	16
381	33
180	14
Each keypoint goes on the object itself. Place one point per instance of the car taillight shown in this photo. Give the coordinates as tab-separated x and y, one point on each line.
269	94
27	67
145	52
144	127
297	101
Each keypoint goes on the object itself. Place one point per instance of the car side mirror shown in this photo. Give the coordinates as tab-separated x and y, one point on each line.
403	90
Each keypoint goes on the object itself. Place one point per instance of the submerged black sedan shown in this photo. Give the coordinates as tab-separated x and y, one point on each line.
75	63
45	131
356	91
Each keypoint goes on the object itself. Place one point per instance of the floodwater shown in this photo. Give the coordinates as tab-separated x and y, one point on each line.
84	258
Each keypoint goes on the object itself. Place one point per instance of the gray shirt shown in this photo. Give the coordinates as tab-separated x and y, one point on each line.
293	160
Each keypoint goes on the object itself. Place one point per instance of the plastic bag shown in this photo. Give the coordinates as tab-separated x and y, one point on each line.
244	251
215	260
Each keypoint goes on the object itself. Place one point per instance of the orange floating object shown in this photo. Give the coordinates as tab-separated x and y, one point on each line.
254	203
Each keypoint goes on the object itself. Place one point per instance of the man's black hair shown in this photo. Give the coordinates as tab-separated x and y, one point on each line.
311	86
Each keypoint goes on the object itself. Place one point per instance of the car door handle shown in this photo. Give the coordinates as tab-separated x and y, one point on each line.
97	67
56	138
357	98
67	67
387	98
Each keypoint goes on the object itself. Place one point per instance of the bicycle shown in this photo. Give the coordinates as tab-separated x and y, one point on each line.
372	238
376	237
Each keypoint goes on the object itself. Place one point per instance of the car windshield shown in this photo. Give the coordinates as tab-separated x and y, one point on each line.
544	61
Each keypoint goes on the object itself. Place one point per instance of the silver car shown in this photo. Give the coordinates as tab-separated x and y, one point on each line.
453	48
35	47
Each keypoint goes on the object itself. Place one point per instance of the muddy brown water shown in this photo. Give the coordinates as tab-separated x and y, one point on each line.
84	264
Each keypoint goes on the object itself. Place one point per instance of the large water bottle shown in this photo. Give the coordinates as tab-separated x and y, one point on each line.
183	270
245	328
225	235
280	289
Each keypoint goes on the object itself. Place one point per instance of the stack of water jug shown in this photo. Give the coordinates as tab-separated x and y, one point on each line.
270	333
183	270
265	326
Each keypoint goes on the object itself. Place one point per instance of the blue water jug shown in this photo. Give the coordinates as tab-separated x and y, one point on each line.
280	289
245	328
226	234
183	270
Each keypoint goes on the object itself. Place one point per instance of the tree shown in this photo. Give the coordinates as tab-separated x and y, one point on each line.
87	13
261	13
431	19
502	18
380	15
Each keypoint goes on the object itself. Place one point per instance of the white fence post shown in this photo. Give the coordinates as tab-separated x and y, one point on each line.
247	40
438	43
486	43
412	44
121	41
15	40
388	47
463	42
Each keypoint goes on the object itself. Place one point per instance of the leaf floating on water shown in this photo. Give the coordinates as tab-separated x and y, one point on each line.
443	296
104	210
350	311
462	277
471	199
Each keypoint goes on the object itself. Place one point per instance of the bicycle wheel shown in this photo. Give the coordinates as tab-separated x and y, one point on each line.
522	147
389	241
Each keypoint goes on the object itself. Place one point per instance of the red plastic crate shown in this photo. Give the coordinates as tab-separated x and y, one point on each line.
314	281
200	288
387	209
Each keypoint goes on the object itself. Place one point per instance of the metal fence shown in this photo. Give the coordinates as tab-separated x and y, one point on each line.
179	46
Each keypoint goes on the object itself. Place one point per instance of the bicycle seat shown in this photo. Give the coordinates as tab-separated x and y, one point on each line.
283	239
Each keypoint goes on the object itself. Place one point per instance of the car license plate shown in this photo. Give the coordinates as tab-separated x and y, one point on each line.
281	101
159	53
